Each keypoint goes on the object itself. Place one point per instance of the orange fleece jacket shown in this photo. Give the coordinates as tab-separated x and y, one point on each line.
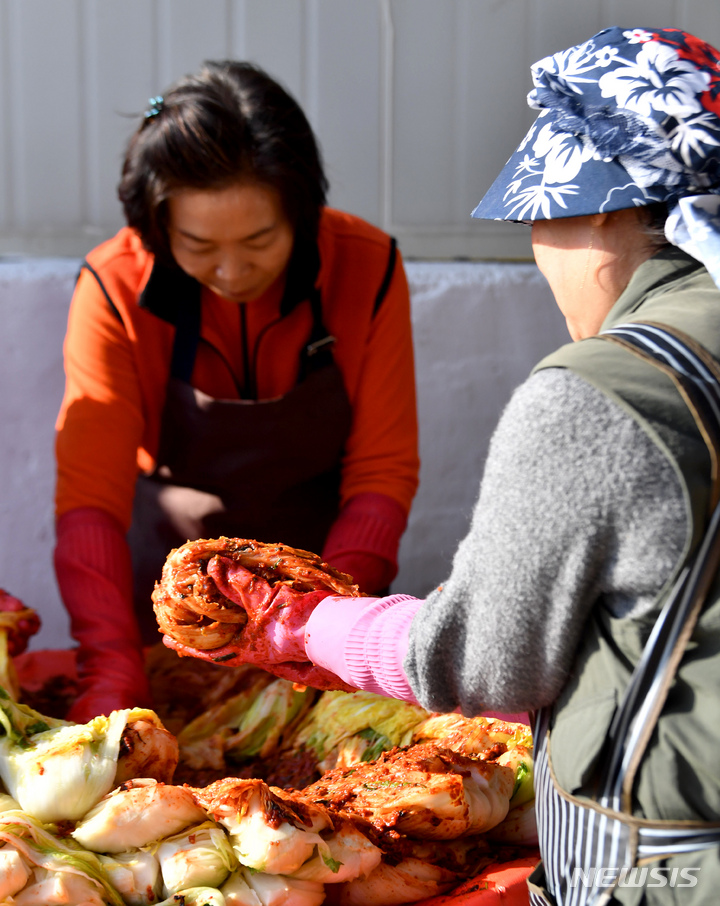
117	365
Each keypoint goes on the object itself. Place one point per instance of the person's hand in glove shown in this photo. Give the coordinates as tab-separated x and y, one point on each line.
18	621
273	637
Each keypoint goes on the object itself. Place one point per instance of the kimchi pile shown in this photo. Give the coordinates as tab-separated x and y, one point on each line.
243	789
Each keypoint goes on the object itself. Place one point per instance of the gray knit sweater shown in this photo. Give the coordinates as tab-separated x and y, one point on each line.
576	503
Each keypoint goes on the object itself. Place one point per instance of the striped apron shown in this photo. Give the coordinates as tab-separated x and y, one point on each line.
589	846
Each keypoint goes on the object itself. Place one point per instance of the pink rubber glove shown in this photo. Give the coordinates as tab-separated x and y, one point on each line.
274	636
19	629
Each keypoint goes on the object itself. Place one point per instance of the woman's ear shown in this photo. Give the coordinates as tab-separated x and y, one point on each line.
597	220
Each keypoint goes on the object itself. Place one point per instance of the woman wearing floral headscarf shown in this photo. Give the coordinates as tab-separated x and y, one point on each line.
579	589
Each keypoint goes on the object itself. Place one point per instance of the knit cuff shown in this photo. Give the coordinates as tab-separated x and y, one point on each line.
371	523
364	641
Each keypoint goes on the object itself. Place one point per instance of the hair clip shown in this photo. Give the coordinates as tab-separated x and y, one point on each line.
156	105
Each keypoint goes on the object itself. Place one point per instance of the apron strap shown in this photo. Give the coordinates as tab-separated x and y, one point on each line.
317	353
696	374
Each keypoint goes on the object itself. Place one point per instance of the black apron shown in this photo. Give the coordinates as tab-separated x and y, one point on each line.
264	469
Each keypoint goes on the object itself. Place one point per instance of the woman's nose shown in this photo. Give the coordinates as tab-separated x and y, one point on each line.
231	267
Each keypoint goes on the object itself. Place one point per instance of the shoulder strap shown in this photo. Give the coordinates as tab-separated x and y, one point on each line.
693	370
697	376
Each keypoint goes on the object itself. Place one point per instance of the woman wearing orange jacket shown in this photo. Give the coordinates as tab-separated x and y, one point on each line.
238	361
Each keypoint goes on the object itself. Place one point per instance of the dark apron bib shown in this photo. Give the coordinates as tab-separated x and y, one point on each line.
267	469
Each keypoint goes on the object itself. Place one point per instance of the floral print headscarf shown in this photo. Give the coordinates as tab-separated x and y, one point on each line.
630	117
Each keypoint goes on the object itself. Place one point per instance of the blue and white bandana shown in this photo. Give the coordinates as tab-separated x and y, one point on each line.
630	117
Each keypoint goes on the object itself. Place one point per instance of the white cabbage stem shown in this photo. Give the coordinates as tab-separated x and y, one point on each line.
59	888
276	890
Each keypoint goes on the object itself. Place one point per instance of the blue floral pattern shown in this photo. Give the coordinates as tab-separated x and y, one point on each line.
628	117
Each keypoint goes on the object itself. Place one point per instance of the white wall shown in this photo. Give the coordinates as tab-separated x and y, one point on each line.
417	103
478	329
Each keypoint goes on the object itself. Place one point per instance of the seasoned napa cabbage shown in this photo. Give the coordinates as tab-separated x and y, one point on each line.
237	891
14	871
471	735
267	832
136	814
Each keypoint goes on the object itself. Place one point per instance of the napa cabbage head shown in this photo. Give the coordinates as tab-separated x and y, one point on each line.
200	856
52	888
135	875
54	769
268	831
520	759
262	726
341	856
237	891
56	861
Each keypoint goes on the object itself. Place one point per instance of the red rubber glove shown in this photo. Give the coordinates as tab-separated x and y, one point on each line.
18	628
92	563
274	636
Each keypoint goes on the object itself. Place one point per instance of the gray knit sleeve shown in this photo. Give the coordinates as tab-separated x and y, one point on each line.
577	506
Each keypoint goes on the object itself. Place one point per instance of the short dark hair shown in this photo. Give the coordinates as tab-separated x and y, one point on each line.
228	122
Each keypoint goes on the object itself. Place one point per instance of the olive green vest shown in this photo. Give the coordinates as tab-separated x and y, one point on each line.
679	777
